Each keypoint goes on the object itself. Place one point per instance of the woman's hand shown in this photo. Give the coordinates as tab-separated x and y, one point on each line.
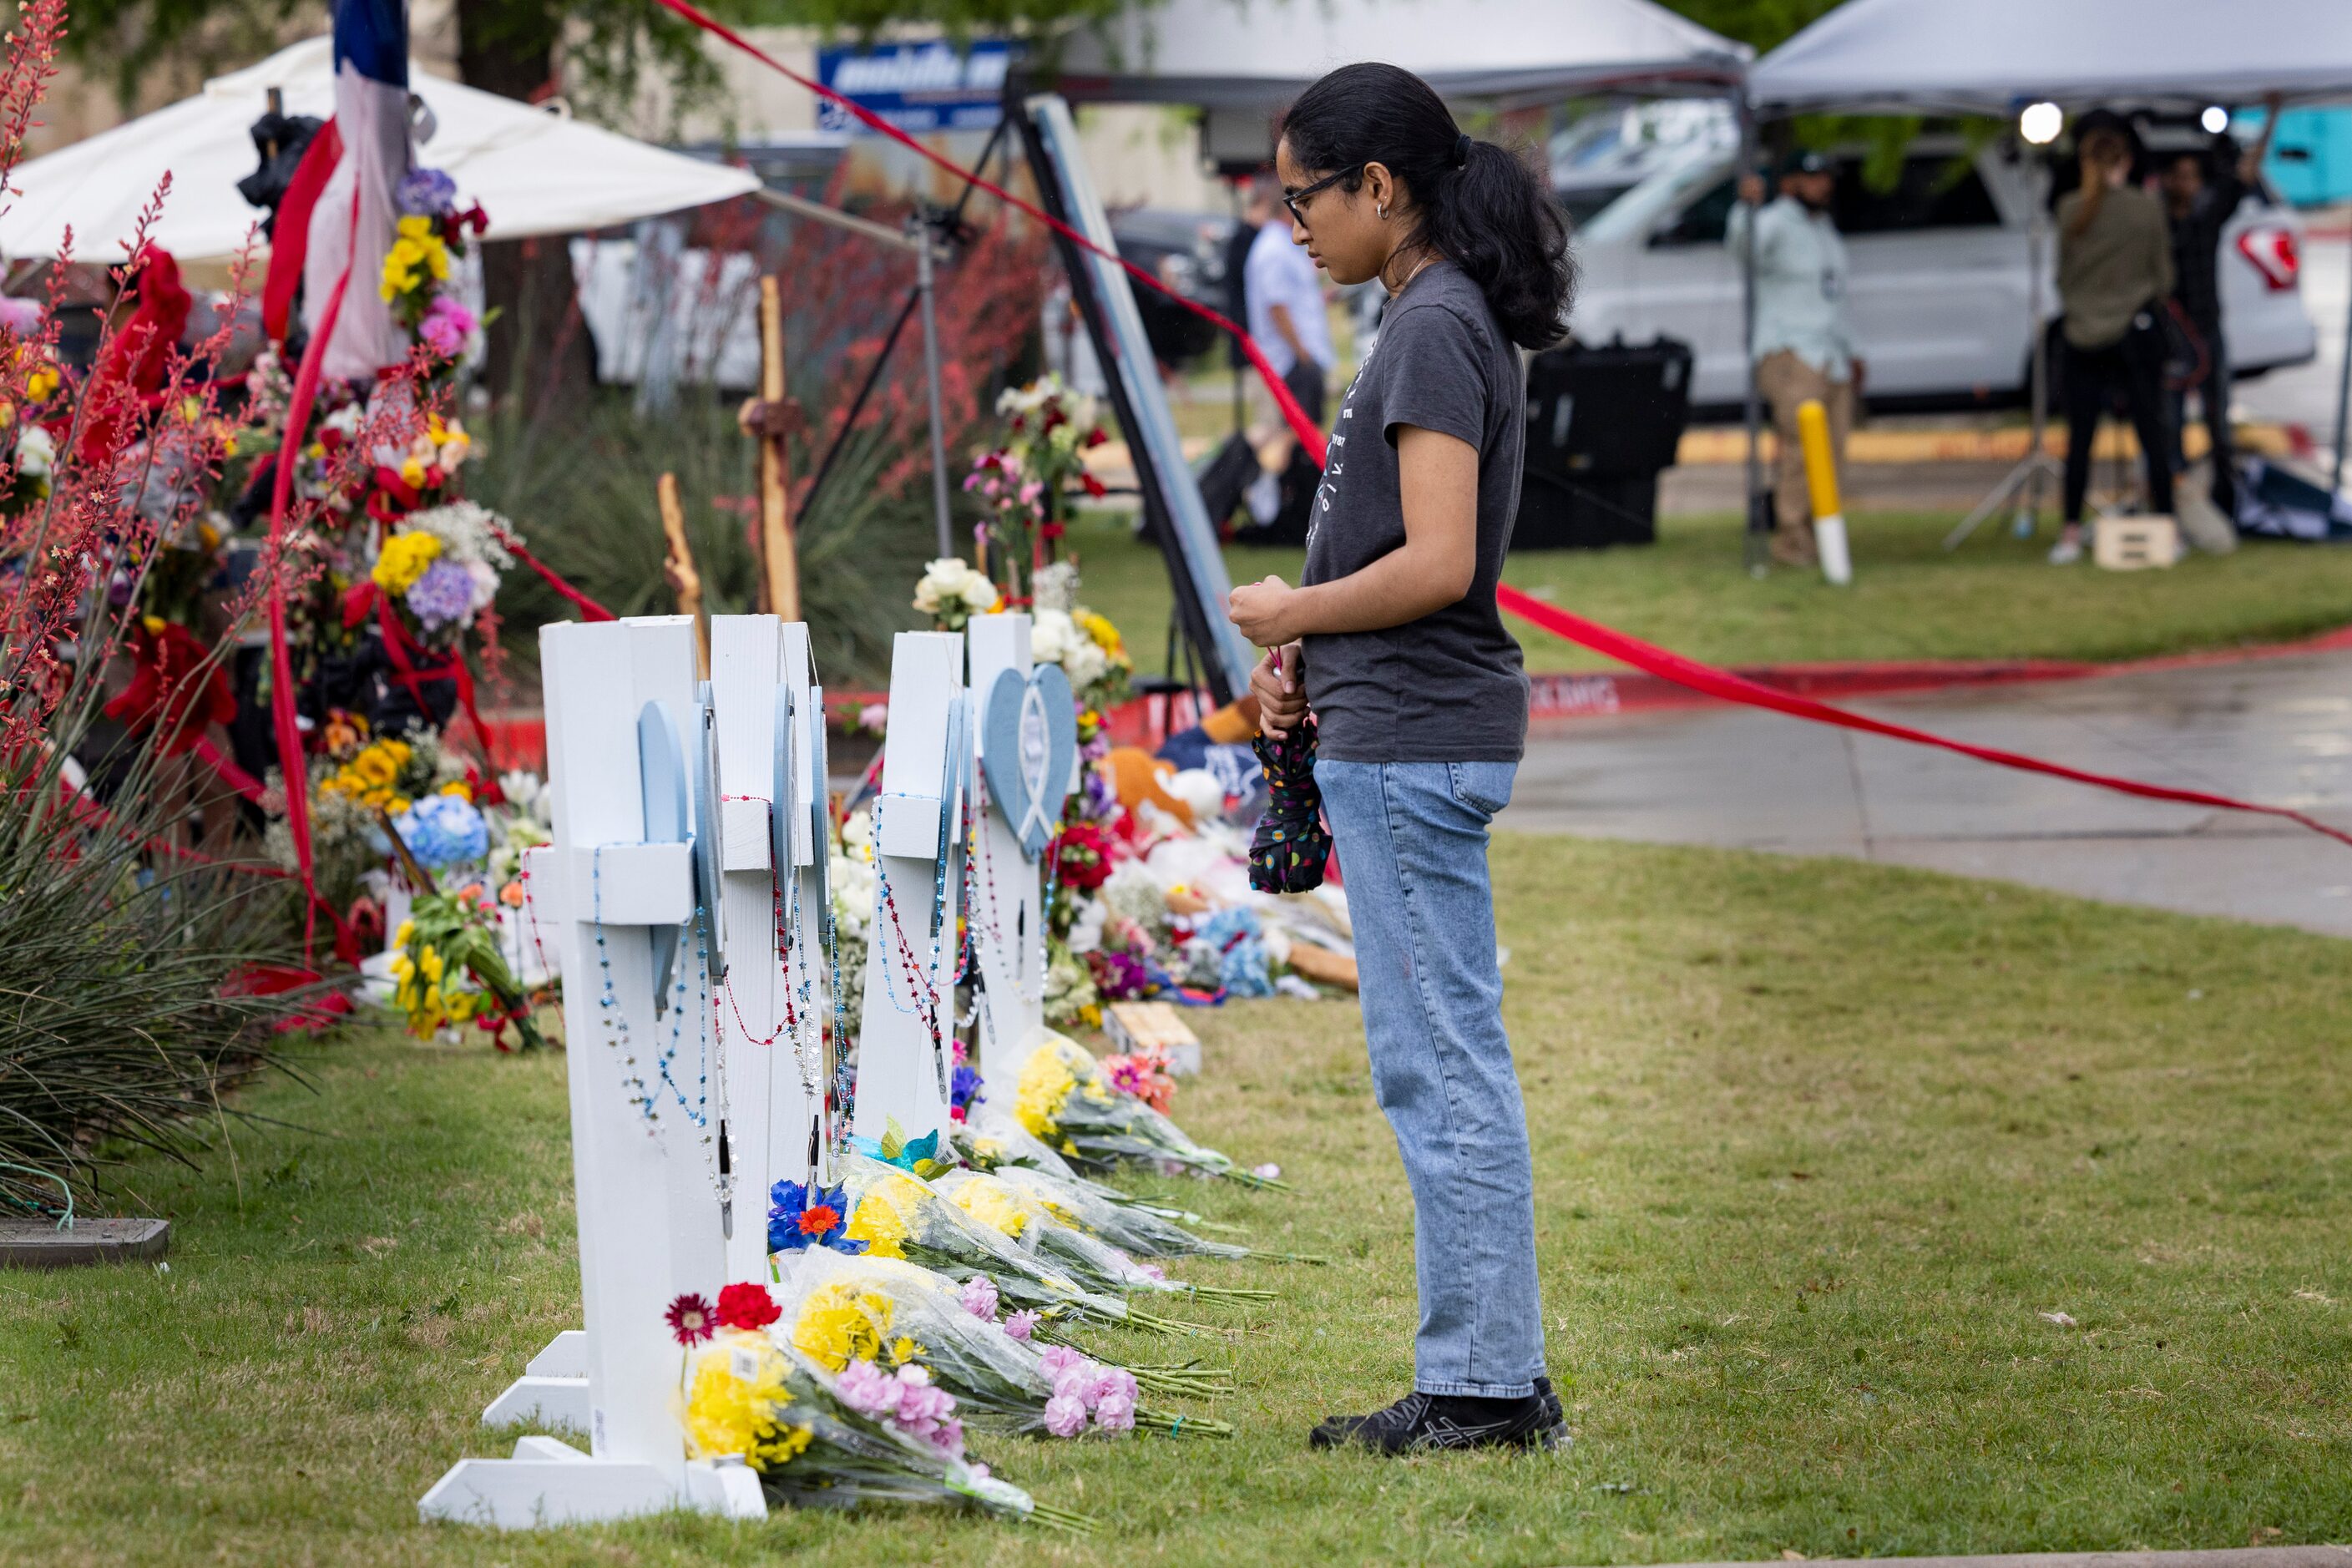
1265	612
1281	700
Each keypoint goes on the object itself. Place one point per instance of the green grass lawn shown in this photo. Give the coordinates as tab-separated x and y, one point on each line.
1995	598
1817	1143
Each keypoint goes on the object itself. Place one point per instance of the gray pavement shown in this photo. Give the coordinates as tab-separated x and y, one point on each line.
2277	730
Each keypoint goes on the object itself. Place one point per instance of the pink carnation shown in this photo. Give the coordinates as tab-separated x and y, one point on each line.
1057	1357
867	1389
1115	1412
1078	1382
979	1298
1021	1324
446	326
1064	1417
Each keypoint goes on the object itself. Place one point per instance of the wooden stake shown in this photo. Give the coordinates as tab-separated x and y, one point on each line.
780	566
679	564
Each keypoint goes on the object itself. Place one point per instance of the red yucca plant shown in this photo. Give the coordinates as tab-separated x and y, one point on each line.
141	936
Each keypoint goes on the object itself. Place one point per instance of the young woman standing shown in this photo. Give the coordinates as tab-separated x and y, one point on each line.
1419	700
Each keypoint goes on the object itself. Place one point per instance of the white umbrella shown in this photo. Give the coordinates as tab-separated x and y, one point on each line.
1257	54
534	171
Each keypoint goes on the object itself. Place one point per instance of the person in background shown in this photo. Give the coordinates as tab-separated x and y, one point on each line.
2198	209
2115	268
1803	347
1285	294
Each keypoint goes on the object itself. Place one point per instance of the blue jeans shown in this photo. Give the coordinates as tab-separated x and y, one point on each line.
1412	840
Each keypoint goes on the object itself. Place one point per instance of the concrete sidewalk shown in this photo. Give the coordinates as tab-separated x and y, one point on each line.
2274	730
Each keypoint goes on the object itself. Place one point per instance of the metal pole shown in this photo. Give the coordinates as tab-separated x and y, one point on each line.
2037	236
2343	398
1752	545
931	391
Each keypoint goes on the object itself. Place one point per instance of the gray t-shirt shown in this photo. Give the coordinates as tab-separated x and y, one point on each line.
1448	687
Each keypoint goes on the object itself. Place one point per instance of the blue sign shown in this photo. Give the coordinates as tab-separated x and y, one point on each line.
918	88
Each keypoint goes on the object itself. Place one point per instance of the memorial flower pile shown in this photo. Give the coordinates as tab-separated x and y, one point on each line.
429	241
1087	1257
442	568
450	969
951	591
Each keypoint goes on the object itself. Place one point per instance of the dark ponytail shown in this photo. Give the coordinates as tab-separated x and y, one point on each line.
1481	205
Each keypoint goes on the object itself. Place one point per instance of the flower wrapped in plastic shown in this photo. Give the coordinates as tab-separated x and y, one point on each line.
999	1142
896	1216
1066	1099
1136	1230
846	1313
749	1399
1021	1215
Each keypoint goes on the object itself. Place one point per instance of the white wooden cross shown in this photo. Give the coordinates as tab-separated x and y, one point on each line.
1007	896
908	1021
649	1221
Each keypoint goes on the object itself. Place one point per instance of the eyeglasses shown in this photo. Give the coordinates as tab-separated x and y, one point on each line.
1297	200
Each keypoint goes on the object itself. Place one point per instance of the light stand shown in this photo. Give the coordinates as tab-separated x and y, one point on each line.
2037	464
922	230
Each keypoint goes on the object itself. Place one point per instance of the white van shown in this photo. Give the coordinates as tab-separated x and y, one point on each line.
1938	292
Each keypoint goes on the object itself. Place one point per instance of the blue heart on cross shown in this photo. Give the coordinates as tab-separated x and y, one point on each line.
1030	751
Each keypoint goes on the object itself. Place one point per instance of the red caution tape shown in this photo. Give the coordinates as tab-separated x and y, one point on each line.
1732	688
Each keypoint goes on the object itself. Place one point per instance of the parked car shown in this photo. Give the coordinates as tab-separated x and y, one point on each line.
1187	252
1938	290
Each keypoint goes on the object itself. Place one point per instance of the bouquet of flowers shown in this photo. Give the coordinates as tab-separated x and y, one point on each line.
871	1322
891	1213
1137	1231
1094	1262
952	591
1001	1143
448	936
430	239
818	1441
1066	1098
442	568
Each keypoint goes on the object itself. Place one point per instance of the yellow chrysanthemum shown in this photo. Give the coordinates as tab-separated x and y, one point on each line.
403	559
1044	1086
880	1225
728	1415
459	788
838	1325
994	1204
904	1349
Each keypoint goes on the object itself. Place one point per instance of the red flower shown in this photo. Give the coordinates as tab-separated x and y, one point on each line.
691	1318
747	1307
1093	486
819	1219
1095	437
1084	856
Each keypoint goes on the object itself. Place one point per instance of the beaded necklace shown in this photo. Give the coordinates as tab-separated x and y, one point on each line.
922	989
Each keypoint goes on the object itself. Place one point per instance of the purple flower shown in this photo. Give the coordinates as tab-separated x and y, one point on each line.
867	1389
1064	1417
446	326
443	597
425	192
979	1298
1021	1324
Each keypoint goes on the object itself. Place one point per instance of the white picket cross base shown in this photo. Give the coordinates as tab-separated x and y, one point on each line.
1007	895
918	830
649	1223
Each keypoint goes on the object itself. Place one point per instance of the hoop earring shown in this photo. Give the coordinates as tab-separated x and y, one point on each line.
1382	209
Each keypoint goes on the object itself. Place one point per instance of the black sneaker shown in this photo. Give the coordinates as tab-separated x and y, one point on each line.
1555	1435
1423	1422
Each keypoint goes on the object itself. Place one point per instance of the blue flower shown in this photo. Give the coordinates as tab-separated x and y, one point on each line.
425	192
443	830
804	1217
963	1089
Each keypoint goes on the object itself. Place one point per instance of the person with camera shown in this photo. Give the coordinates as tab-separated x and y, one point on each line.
2115	271
1803	347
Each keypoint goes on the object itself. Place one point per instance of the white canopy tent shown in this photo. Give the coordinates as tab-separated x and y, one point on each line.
1259	53
534	171
1990	57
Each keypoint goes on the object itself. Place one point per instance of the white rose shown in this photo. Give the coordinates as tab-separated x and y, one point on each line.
1085	663
1053	636
857	830
942	579
978	593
